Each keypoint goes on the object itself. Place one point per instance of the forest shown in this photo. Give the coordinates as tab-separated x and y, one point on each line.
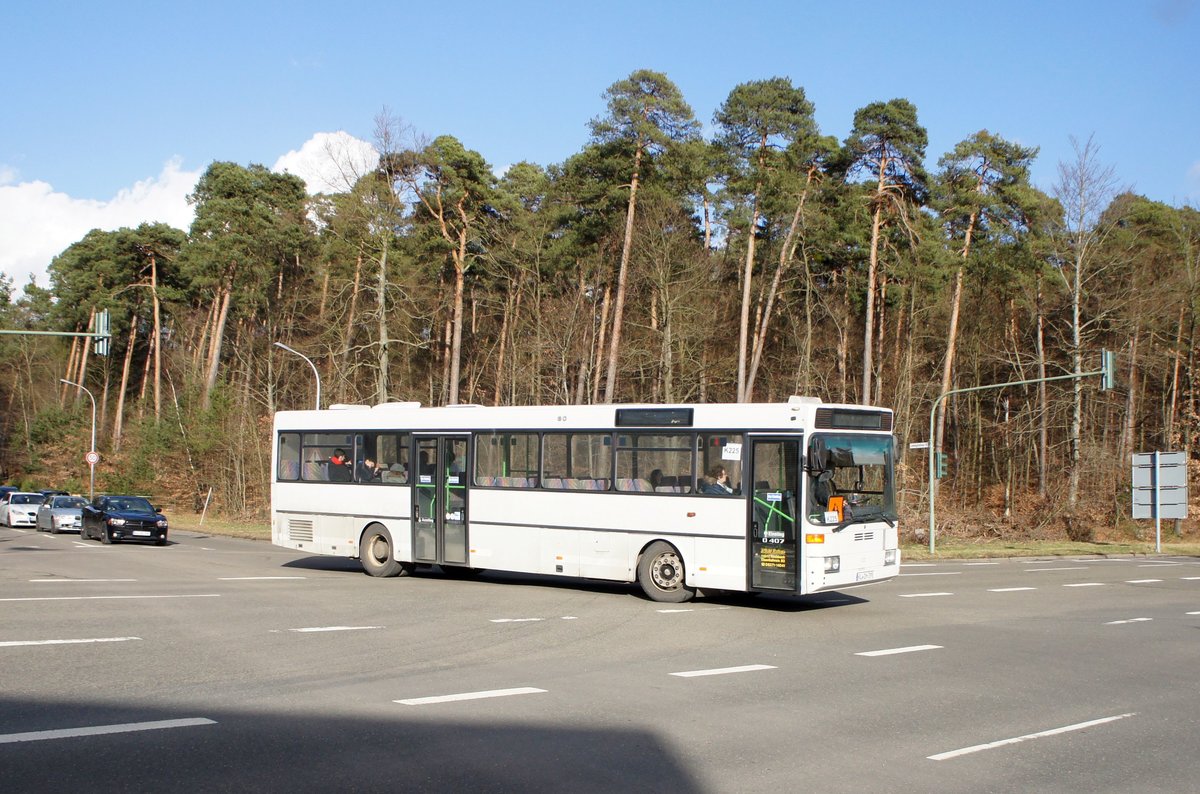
653	265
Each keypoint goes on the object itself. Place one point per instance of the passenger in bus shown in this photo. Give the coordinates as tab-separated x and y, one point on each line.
717	482
368	471
339	467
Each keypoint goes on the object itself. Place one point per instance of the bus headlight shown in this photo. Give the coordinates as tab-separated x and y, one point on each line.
889	557
833	564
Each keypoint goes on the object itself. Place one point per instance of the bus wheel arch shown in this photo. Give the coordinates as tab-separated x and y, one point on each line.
661	574
377	553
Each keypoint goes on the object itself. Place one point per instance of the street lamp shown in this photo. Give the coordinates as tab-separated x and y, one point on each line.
92	457
314	369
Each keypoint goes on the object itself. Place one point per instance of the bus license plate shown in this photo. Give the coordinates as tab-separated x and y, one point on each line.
863	576
142	533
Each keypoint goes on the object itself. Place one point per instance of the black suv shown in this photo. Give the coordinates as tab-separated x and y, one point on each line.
120	518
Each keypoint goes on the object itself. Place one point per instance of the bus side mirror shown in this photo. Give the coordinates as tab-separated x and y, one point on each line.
818	456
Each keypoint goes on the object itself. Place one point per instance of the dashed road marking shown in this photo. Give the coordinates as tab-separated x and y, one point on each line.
493	693
937	573
747	668
1047	570
1039	735
894	651
1141	581
58	581
923	595
99	730
312	629
1131	620
1009	589
110	597
15	643
516	620
255	578
981	563
1085	584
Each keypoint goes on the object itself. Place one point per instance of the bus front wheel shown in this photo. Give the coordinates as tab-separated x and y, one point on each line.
375	551
661	574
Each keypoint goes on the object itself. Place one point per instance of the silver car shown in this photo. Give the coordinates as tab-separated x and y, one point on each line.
60	514
19	509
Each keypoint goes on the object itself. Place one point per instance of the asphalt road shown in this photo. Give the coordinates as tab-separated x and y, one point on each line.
226	665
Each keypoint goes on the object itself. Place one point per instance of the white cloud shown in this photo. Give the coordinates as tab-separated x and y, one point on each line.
329	162
37	223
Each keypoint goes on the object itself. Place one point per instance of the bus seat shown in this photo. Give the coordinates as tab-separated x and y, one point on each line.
485	481
289	469
314	470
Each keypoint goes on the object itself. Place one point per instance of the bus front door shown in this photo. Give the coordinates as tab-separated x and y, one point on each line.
440	500
775	479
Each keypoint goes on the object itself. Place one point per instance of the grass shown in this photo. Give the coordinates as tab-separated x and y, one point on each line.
190	522
979	549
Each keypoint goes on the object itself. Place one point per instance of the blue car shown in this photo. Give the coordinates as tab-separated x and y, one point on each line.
112	519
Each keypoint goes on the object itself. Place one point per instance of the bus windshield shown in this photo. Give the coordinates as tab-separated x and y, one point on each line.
850	479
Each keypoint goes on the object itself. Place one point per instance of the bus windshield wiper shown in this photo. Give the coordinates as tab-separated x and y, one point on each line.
864	518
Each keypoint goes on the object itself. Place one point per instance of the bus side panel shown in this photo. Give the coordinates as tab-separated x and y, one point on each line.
504	548
606	555
559	553
718	564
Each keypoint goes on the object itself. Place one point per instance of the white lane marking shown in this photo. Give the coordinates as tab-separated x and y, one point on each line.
893	651
981	563
15	643
923	595
1044	570
1158	564
1039	735
1010	589
1085	584
494	693
98	730
254	578
1131	620
110	598
920	565
569	617
937	573
1141	581
516	620
747	668
1194	613
335	628
673	611
1189	578
45	581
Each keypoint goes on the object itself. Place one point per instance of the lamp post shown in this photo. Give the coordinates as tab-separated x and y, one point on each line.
92	457
314	369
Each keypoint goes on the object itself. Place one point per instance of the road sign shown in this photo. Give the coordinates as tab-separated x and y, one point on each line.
919	445
92	458
1160	486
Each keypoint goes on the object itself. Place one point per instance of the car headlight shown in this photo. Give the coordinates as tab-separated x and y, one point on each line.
116	522
162	523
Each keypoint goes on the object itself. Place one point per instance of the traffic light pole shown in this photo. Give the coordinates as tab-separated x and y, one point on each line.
1106	371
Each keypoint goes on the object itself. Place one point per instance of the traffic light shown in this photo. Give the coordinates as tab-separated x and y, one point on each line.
1108	369
100	346
940	460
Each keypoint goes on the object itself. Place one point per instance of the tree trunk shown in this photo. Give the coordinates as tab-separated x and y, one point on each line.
600	344
872	270
119	417
1043	400
952	332
157	341
225	295
610	383
383	360
747	279
70	371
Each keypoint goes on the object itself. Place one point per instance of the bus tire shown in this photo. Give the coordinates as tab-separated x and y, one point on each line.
376	553
661	574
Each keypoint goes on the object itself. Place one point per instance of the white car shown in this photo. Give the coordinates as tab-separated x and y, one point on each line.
19	508
59	513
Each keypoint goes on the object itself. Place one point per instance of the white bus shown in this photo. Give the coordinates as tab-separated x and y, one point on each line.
794	497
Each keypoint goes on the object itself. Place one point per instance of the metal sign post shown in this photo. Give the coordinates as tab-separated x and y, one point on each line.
1160	489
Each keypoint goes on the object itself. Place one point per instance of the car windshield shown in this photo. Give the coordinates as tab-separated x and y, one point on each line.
130	503
69	501
27	499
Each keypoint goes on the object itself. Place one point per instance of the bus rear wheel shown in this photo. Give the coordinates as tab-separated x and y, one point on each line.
375	551
661	574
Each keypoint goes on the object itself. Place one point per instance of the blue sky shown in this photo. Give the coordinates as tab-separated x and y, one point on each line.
111	110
